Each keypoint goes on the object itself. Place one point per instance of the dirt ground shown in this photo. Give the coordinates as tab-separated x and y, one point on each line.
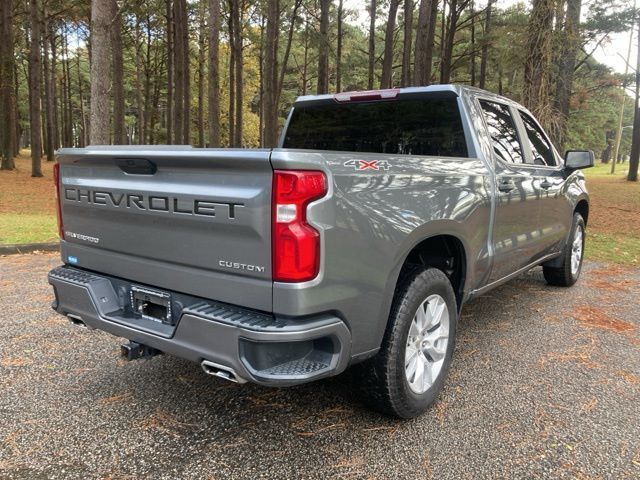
20	193
615	204
545	382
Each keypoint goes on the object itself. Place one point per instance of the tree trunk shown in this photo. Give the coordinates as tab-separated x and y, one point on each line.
405	78
387	59
8	117
67	127
305	64
54	90
372	42
139	84
239	67
214	73
271	75
634	160
447	51
485	45
287	51
559	15
83	119
424	42
100	29
170	71
323	48
147	125
538	59
232	83
35	97
186	104
570	45
119	137
179	54
48	95
201	61
340	21
472	59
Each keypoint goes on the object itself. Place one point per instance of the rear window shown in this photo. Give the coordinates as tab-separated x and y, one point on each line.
408	125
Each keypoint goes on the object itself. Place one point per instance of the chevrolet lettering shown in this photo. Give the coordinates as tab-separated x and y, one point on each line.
158	203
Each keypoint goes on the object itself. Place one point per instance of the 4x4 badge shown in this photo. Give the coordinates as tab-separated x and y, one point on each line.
367	164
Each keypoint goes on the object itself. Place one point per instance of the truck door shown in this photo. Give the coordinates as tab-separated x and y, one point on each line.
555	208
517	206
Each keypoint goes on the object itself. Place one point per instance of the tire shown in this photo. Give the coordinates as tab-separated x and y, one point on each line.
386	382
569	271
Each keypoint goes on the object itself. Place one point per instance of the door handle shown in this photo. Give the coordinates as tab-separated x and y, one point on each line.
546	184
506	185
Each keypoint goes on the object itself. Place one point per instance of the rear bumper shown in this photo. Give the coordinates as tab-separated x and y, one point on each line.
257	346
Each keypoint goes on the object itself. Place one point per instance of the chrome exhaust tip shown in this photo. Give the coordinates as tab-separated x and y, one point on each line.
76	320
220	371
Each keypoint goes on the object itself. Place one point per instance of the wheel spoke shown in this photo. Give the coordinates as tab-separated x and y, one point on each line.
419	372
426	378
414	331
438	310
410	369
421	318
410	354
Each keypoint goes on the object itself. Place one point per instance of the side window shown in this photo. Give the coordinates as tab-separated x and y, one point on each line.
503	131
540	147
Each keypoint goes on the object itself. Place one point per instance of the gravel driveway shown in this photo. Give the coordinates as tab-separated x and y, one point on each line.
544	382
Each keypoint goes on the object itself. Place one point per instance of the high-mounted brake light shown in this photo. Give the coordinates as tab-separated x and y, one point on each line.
366	95
56	179
295	243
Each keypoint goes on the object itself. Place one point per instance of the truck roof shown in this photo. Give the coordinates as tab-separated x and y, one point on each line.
456	89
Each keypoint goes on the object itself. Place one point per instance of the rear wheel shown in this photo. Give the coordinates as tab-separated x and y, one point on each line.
406	376
568	273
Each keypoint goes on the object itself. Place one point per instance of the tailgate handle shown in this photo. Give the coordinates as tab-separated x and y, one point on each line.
136	166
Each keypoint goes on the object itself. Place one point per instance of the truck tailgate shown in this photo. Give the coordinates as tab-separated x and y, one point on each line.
196	221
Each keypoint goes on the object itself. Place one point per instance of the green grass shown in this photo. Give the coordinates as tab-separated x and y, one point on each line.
604	170
21	228
603	247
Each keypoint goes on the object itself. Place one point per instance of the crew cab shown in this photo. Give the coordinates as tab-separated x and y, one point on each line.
357	241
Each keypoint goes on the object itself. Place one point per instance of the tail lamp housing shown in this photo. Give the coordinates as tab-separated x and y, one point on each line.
295	243
56	179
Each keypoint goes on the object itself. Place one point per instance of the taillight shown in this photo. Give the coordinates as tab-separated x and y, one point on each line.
56	179
295	243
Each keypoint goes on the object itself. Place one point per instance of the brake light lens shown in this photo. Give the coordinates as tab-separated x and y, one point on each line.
295	243
56	179
366	95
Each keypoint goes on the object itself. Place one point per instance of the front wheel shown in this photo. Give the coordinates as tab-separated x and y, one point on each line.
567	274
406	376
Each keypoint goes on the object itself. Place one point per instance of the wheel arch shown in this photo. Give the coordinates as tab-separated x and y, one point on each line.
582	207
445	252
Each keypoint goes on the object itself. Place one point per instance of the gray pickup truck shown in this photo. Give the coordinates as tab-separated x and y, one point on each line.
357	241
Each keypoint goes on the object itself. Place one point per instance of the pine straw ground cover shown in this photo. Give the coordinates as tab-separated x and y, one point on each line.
27	205
27	211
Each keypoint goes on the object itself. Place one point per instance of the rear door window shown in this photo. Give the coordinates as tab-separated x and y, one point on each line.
407	125
503	131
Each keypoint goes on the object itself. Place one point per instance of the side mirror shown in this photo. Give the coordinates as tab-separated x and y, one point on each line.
578	159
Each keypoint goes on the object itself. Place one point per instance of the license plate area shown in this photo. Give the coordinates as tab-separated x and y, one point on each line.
151	304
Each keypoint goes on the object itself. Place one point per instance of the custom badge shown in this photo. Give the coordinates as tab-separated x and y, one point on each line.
360	165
